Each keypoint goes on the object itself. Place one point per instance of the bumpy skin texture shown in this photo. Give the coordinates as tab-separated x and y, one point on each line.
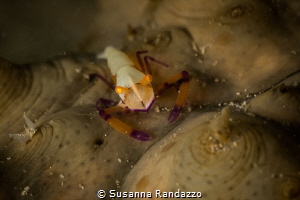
197	161
234	53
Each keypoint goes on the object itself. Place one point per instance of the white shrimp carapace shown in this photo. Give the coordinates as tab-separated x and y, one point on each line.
132	85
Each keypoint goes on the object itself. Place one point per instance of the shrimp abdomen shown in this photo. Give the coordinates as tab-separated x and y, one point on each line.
116	59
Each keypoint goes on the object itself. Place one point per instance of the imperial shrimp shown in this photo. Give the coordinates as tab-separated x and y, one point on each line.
133	85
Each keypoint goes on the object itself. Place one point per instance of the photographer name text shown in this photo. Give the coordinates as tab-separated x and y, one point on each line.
157	194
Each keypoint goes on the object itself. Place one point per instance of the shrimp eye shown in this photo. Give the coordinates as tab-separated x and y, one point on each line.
121	90
146	80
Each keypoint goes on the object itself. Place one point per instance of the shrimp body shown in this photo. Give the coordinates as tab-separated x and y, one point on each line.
132	85
134	88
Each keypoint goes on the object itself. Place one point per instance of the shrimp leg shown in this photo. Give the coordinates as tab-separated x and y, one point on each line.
109	84
147	69
184	80
119	125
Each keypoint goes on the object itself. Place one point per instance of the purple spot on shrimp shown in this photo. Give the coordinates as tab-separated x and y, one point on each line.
185	76
140	135
174	114
104	115
106	102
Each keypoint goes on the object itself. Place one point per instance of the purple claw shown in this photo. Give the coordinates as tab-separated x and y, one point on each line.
140	135
174	114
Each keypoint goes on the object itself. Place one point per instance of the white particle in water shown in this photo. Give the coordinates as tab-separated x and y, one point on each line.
24	192
81	186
